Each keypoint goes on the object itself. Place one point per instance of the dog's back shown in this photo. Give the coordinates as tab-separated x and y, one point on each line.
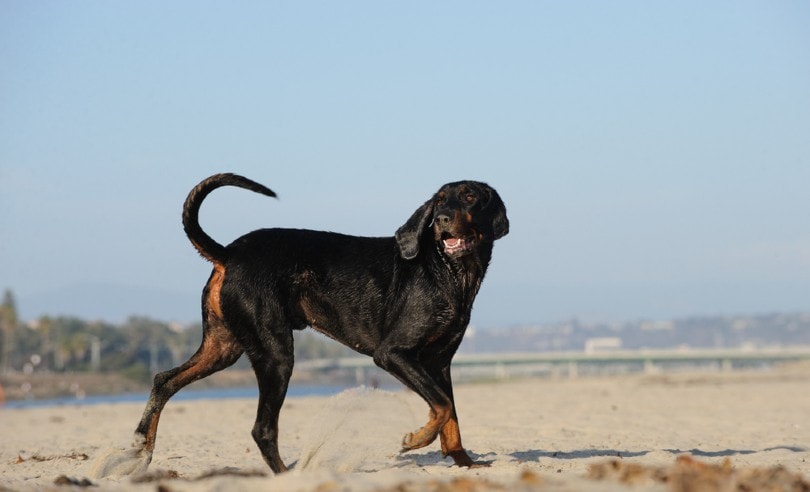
341	285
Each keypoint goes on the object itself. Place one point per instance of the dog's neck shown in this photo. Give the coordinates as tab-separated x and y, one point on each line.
467	271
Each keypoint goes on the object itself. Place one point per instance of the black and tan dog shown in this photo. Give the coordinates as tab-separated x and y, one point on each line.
403	300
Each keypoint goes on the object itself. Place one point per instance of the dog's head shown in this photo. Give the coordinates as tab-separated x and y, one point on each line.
459	218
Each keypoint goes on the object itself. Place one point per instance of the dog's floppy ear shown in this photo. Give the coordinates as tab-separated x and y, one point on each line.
408	235
497	210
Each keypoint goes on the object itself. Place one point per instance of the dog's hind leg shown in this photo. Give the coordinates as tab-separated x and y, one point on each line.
273	368
219	349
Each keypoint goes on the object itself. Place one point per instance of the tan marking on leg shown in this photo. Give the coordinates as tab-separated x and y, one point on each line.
451	436
451	443
219	349
213	301
151	433
427	434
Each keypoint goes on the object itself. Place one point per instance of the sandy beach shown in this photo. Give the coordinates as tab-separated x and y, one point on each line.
696	431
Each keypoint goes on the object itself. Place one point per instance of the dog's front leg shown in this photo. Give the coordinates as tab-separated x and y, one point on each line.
450	432
419	380
451	443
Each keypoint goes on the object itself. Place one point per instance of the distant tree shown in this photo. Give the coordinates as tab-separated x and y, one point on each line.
8	326
63	336
314	345
45	330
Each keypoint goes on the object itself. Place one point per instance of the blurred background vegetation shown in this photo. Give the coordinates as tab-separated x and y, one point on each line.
138	348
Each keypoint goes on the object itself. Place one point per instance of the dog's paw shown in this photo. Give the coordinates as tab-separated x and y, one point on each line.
122	462
406	442
417	440
461	458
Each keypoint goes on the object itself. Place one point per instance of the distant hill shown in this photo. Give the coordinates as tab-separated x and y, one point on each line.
115	303
760	331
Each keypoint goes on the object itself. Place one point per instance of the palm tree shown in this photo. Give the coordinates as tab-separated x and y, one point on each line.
8	325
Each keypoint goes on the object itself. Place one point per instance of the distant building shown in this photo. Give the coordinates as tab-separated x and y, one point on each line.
602	344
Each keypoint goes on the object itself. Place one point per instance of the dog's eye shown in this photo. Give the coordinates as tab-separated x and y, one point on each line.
470	198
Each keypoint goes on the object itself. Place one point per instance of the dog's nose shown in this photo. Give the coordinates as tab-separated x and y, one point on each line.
443	220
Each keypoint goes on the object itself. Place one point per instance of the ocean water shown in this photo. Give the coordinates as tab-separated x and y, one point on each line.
183	395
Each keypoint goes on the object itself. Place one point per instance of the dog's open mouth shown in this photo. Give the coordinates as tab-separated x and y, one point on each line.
457	246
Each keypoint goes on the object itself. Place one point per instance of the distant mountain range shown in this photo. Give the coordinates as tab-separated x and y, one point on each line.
115	303
744	332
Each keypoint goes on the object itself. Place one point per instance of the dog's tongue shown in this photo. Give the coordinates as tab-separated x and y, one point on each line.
453	244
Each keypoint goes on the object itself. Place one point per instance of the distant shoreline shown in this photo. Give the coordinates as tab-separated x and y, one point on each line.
51	385
185	395
73	387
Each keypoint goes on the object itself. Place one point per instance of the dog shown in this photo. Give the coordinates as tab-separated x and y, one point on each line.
403	300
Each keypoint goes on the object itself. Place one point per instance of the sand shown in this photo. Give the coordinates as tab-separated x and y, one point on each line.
640	433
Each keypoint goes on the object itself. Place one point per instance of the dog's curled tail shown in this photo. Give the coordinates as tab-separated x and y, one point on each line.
205	244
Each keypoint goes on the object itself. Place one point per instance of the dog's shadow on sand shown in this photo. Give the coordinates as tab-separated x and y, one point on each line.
537	454
435	457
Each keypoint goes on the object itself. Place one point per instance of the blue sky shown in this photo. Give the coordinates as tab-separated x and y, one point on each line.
654	156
